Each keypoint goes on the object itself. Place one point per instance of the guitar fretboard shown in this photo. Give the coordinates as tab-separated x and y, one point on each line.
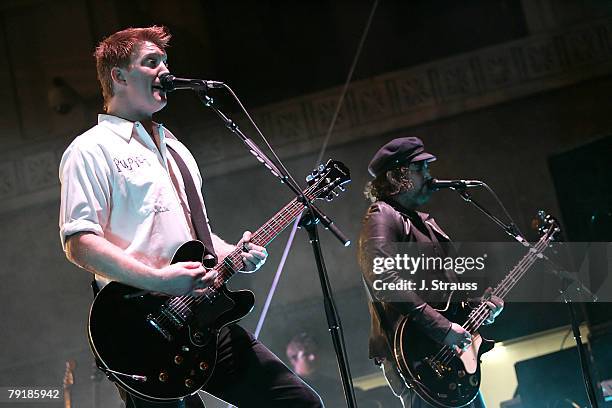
478	316
262	237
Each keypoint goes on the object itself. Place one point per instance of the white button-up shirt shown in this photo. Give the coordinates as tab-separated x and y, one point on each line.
116	183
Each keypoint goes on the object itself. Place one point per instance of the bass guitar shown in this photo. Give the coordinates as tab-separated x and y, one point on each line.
162	348
439	375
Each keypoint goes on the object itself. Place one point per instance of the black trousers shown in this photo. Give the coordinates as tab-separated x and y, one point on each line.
247	375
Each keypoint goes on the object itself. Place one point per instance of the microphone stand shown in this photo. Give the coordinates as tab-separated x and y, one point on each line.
96	378
565	277
309	221
509	229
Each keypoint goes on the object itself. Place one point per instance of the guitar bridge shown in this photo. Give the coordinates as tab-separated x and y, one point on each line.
437	367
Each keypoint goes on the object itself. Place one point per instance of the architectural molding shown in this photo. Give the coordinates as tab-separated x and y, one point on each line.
374	106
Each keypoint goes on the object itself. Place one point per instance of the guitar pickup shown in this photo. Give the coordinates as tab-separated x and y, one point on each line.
153	322
174	317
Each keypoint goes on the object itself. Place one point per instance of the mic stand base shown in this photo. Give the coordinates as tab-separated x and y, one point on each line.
333	319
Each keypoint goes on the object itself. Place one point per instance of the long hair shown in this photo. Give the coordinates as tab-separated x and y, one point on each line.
382	186
117	49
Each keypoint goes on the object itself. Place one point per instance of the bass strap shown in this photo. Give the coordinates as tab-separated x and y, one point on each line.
197	212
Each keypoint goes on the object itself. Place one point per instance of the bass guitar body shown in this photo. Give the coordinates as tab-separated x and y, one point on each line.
153	351
438	375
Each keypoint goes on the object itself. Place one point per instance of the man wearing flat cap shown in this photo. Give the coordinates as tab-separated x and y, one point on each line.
401	184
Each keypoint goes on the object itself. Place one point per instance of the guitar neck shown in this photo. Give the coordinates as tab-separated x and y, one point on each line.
510	281
68	381
267	232
478	316
262	237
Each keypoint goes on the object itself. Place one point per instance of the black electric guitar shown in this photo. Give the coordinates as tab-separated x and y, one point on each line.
163	348
437	374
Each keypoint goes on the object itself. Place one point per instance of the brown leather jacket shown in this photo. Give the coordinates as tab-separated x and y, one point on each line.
384	226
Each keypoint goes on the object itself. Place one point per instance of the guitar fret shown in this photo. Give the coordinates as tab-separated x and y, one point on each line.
272	227
262	237
478	316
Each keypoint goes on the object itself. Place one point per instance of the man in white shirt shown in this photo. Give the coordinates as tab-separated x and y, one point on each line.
124	213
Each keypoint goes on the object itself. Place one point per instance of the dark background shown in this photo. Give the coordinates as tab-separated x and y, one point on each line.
533	121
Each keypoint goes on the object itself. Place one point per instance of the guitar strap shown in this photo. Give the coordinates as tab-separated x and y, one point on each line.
197	212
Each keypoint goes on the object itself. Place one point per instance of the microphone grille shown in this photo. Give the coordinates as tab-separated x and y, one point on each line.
167	81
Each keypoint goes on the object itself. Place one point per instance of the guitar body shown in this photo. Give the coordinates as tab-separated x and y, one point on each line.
128	335
443	383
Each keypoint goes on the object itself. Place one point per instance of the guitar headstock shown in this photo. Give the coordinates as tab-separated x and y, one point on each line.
327	179
547	226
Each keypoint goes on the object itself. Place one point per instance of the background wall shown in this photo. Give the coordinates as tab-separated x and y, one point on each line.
493	88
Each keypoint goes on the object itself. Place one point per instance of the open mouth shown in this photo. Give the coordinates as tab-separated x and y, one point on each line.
158	87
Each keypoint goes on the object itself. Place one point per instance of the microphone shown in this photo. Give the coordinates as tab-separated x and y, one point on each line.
436	185
170	83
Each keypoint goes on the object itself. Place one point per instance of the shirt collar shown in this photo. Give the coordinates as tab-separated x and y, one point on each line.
120	126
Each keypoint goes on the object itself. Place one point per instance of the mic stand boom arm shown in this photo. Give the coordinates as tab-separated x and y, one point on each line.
277	172
309	221
509	229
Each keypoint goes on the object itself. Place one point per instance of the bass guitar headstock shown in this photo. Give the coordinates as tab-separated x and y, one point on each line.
326	180
547	226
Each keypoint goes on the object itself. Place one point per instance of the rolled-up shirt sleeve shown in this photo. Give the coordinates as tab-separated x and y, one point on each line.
381	231
85	179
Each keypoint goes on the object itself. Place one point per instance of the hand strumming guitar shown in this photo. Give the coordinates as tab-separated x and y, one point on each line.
457	338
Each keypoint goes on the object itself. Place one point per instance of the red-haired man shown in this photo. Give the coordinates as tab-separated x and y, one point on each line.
124	213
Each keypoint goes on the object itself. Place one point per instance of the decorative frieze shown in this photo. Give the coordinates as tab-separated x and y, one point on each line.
411	92
371	107
8	180
322	110
39	171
